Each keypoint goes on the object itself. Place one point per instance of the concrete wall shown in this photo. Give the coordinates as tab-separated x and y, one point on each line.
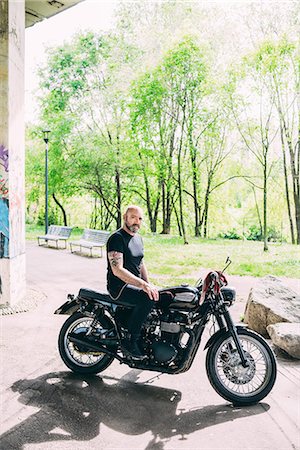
12	144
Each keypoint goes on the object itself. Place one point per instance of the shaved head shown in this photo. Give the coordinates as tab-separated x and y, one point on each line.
133	208
132	217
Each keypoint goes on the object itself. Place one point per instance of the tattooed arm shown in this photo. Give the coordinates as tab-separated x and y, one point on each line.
116	263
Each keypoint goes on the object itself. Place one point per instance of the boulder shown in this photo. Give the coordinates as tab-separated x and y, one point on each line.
287	337
270	302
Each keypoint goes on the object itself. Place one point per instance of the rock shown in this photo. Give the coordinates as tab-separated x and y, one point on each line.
270	302
287	337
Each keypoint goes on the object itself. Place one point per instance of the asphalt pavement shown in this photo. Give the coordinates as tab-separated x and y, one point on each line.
45	406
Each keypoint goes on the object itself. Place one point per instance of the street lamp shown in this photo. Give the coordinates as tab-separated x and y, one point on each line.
46	140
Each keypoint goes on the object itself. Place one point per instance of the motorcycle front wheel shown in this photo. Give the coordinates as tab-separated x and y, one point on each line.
237	384
78	357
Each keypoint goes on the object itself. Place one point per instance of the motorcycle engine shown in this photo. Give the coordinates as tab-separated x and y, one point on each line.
166	348
164	352
165	336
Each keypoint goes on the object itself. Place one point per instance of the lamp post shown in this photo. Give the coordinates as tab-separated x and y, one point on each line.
46	140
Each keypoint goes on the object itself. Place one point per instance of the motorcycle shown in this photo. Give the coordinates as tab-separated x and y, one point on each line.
240	365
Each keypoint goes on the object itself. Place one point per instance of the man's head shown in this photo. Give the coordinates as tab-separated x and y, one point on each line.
132	218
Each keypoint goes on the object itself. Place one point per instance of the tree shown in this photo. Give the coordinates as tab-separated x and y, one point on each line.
280	64
84	99
254	119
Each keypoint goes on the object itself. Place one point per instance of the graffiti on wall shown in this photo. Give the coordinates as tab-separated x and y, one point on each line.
4	157
4	202
3	177
3	174
4	227
3	188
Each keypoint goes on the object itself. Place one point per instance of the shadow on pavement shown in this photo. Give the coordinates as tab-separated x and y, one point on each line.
73	407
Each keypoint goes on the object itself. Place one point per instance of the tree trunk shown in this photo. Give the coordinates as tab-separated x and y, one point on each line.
181	216
294	158
151	214
118	187
257	211
265	231
168	181
62	210
195	192
163	193
286	184
178	222
204	219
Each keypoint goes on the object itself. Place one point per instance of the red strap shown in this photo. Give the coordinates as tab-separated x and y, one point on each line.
219	281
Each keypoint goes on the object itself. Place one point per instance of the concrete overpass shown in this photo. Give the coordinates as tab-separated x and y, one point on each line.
15	16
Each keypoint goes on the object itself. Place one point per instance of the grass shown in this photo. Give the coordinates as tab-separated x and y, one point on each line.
170	262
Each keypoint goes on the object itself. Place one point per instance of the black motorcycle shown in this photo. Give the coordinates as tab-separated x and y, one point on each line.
240	365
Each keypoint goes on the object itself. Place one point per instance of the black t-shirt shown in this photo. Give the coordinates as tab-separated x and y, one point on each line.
133	253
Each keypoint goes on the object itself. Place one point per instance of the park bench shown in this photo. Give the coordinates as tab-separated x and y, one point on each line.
91	239
56	233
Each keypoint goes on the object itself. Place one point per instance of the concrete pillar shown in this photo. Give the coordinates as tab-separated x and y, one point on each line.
12	144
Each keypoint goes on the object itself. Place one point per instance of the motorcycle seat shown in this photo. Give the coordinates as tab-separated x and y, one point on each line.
89	294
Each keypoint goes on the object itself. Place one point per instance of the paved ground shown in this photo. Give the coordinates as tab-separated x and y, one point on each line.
44	406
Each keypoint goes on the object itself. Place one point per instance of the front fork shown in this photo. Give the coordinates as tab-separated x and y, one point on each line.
233	331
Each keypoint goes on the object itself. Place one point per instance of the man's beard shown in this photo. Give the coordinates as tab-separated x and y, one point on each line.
133	228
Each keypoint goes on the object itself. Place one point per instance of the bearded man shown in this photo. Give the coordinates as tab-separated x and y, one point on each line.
127	276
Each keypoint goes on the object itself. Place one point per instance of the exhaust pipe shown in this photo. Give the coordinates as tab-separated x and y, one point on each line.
91	346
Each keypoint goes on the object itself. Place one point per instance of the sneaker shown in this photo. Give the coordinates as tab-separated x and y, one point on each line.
133	350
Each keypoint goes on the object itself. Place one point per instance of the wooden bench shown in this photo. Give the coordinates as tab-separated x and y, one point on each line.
56	233
91	239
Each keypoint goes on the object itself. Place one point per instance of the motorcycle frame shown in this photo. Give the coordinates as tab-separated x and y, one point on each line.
217	307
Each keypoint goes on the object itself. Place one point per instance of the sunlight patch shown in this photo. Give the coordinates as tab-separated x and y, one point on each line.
58	430
53	380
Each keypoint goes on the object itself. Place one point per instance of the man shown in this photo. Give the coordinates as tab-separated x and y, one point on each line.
127	277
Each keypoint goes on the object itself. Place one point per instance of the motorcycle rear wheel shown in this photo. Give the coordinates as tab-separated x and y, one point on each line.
241	385
79	358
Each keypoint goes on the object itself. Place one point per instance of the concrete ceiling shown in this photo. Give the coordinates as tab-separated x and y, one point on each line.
37	10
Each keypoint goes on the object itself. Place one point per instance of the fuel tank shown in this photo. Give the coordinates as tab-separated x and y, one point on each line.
183	297
186	298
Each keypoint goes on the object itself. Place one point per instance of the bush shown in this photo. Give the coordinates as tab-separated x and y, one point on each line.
274	235
231	234
255	234
52	218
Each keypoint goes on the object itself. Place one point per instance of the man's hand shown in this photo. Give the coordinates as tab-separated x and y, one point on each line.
151	291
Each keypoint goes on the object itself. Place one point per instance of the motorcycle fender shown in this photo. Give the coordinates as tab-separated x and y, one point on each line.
215	336
69	307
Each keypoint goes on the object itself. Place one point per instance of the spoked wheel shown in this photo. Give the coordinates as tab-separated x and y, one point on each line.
237	384
80	357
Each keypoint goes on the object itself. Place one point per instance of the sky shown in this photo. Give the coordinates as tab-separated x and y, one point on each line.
89	14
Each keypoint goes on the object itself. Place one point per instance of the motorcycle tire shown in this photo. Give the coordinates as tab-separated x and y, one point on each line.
79	358
241	385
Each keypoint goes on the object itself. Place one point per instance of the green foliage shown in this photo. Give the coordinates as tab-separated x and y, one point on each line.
149	114
52	218
231	234
254	233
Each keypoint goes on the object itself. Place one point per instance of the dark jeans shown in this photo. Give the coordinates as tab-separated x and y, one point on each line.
142	306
